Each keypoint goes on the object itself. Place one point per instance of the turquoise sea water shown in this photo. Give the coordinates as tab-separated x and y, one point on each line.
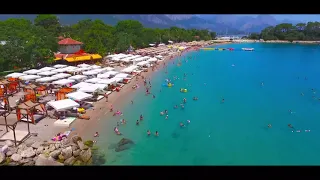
234	132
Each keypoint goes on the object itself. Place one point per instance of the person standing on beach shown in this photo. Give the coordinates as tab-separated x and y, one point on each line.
106	96
111	108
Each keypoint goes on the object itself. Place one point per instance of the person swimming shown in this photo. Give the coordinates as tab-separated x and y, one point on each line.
167	116
269	126
137	122
182	106
141	117
195	98
188	121
181	124
290	126
166	111
184	100
156	134
302	94
222	101
148	133
161	113
175	107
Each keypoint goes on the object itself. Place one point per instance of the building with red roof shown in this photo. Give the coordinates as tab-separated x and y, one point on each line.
70	50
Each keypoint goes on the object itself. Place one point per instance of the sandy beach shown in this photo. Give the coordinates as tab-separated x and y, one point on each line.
45	129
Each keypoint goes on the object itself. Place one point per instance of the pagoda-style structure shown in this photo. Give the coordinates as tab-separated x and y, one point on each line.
70	51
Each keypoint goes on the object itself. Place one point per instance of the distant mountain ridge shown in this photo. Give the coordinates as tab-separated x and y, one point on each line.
222	24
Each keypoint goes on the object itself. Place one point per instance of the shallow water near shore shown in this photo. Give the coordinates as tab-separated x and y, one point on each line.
234	132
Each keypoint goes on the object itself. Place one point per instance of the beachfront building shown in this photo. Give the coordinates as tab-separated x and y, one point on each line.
70	51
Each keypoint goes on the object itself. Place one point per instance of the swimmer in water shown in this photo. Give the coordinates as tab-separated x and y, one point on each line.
262	84
269	126
148	132
167	116
156	134
141	117
118	124
181	124
302	94
137	122
188	121
153	96
175	107
222	101
290	126
161	113
165	111
131	102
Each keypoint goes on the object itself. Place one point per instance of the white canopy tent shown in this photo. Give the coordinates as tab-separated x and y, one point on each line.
92	88
118	79
61	75
47	73
79	96
46	79
107	74
63	105
102	70
109	68
129	69
78	77
127	59
60	66
29	77
93	80
159	57
15	75
106	81
83	65
83	69
121	75
152	60
91	72
142	63
63	81
95	67
81	84
32	71
47	69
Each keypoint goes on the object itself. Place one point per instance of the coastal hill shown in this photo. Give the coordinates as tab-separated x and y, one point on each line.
222	24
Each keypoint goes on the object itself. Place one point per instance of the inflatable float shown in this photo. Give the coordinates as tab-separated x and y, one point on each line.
183	90
168	85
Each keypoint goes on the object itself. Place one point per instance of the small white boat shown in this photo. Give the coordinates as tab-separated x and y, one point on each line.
248	49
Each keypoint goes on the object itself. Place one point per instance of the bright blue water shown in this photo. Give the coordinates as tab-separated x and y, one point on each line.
235	132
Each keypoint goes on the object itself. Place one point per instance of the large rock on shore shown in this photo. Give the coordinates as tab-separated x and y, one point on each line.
42	160
2	157
43	153
29	152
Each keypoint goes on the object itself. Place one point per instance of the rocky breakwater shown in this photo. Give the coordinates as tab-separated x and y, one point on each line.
72	151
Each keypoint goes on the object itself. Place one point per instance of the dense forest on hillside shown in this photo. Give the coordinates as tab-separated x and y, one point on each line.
302	31
25	43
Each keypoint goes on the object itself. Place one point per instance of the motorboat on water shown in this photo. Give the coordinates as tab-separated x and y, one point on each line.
248	49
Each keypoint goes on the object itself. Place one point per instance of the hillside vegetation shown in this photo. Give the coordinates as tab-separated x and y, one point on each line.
26	43
302	31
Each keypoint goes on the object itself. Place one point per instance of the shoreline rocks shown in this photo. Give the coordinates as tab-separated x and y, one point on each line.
67	152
